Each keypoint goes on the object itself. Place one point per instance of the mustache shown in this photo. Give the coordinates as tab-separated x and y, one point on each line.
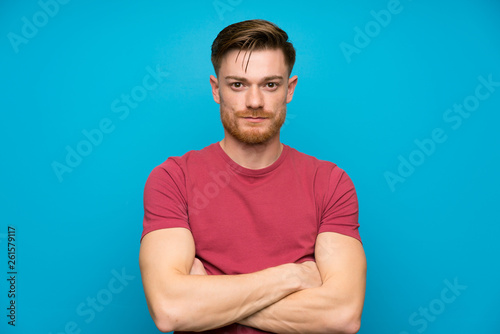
254	113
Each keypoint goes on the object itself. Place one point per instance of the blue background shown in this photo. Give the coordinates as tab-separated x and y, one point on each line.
76	232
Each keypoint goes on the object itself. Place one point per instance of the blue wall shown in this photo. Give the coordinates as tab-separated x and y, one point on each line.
379	93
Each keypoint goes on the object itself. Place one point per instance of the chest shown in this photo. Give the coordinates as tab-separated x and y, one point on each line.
244	228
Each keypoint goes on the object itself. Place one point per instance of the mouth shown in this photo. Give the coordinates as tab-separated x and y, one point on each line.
255	119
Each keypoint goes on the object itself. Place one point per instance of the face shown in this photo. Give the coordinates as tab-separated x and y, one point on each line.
253	98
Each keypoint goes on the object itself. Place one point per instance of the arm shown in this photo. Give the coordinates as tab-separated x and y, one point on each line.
183	302
334	307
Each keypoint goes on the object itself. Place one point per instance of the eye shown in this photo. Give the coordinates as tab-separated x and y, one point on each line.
236	85
272	85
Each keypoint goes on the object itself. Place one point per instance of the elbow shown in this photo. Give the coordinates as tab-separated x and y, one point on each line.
166	318
163	325
348	321
351	326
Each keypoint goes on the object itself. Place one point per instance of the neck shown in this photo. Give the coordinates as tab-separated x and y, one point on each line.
252	156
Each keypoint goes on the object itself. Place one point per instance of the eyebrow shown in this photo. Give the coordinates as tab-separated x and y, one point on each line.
269	78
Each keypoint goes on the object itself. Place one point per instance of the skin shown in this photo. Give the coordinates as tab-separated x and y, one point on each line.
335	306
180	301
263	90
325	296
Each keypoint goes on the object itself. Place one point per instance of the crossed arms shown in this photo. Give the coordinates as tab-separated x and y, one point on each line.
322	297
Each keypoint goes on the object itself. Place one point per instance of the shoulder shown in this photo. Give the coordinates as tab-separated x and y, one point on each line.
328	176
177	166
323	167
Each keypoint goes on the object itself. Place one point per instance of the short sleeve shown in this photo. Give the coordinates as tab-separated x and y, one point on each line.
340	206
165	204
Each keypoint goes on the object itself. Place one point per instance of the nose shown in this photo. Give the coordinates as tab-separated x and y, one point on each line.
254	98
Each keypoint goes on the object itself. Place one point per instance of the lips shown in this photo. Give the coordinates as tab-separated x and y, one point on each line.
249	115
253	114
255	119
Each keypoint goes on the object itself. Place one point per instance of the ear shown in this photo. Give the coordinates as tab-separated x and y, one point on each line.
292	82
214	82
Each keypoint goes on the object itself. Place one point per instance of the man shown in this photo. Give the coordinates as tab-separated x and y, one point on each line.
249	235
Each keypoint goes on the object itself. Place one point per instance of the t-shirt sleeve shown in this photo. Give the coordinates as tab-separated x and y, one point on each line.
165	203
340	207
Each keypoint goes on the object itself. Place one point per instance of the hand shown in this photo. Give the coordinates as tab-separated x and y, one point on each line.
197	268
309	275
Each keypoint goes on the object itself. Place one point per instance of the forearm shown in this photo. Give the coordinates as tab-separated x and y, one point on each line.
333	307
307	311
196	303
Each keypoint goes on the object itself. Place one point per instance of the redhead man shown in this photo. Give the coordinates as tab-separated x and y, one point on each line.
248	235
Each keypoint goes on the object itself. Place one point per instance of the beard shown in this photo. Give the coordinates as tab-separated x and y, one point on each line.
254	133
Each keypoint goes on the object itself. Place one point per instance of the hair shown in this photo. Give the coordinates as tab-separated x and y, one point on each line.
249	36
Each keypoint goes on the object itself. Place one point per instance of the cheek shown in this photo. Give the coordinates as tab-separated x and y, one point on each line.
225	95
226	105
231	101
277	101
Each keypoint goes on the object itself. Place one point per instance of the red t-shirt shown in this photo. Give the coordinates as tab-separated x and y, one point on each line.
244	220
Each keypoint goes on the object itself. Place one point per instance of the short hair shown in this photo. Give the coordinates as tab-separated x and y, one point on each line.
249	36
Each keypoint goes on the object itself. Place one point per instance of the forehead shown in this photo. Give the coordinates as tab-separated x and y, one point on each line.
262	63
